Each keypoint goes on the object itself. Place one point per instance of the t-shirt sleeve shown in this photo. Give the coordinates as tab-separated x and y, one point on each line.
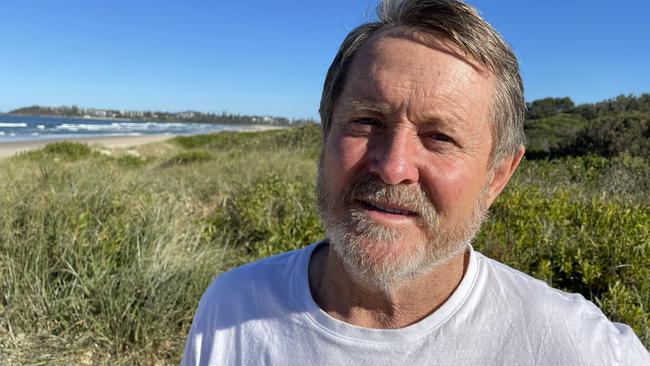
631	351
198	347
191	354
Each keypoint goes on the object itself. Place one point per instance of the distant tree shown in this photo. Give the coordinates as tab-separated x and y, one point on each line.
622	103
587	111
547	107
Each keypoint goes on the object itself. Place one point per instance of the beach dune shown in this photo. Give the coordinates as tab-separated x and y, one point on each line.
15	147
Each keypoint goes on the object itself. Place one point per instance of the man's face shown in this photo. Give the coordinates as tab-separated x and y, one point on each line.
403	179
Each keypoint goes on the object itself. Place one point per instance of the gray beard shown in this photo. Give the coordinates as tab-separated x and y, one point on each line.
353	235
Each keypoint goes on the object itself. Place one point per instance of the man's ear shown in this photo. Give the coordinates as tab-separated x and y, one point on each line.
501	174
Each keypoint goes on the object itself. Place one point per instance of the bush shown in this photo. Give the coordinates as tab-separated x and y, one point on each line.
608	128
546	135
270	216
189	157
612	135
130	161
68	149
622	179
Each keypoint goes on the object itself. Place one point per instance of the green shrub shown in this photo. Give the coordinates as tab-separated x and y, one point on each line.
623	178
63	150
269	216
608	128
130	161
68	149
612	135
546	135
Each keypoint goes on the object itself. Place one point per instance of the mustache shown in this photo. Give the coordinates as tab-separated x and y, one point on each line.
411	198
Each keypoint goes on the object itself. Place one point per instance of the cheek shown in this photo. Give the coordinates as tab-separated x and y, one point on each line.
344	157
453	188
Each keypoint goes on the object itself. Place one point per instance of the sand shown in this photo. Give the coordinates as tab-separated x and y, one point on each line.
109	142
12	148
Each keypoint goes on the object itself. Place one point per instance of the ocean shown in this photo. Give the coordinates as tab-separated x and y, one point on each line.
28	128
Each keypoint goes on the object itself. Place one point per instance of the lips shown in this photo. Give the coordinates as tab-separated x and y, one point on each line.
388	208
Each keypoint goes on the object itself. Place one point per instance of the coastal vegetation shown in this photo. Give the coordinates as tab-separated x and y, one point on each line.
103	258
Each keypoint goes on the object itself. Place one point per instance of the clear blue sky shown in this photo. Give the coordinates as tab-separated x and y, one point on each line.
270	57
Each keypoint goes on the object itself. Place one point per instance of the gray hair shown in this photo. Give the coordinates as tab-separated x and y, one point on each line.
462	25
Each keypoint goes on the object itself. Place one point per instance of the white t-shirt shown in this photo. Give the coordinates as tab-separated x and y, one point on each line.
263	314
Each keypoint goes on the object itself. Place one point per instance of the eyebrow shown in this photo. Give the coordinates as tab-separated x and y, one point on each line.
448	122
381	108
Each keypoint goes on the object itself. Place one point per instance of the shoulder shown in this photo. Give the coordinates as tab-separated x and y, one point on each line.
557	320
529	289
241	299
271	273
258	270
255	288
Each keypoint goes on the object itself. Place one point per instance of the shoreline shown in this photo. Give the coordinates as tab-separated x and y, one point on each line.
12	148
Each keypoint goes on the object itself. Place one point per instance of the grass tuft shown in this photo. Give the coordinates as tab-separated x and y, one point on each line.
188	157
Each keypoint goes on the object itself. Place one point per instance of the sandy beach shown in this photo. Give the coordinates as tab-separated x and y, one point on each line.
109	142
12	148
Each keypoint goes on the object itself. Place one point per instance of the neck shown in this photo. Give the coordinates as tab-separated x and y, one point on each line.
346	299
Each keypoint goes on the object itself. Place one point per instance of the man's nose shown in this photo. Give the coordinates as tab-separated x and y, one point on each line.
394	158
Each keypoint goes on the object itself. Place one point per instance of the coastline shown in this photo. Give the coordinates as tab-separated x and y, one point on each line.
12	148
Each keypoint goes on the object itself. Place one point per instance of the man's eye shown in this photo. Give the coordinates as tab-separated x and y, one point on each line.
440	137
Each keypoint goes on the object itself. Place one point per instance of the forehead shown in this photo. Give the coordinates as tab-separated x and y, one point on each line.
397	68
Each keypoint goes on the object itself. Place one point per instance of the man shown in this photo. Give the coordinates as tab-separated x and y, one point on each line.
422	118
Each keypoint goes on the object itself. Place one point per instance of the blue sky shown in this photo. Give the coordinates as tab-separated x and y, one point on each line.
270	57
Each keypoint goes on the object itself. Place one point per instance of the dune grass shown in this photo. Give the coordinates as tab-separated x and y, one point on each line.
103	258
